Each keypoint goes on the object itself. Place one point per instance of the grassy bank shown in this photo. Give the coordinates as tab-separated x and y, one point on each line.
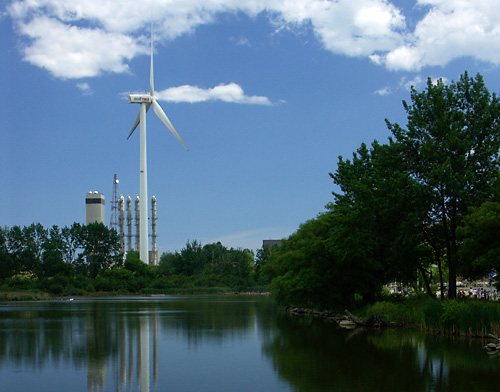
468	317
24	296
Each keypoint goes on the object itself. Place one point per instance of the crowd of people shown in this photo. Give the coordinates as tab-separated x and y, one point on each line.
479	293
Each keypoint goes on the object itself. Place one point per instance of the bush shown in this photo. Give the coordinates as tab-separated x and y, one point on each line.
470	317
406	312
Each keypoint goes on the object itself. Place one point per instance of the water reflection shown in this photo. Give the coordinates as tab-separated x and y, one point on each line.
221	344
117	342
305	352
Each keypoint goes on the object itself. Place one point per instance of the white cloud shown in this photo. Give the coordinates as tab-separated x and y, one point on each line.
418	82
241	41
450	29
71	52
383	91
231	92
85	88
82	38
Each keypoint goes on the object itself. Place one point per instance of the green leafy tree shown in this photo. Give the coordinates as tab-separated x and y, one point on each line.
52	258
480	233
305	271
262	258
74	242
7	266
102	249
450	147
380	210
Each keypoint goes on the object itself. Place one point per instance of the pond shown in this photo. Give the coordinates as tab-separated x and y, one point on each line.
222	343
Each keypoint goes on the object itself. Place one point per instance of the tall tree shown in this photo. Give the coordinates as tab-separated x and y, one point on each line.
102	249
379	208
450	147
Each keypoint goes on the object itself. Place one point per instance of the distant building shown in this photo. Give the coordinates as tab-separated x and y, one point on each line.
94	203
271	243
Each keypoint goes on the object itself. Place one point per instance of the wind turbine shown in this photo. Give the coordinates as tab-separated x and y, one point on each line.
146	100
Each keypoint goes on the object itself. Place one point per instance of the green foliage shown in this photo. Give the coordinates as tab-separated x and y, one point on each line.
450	148
480	233
433	310
470	317
102	249
400	205
404	311
80	259
212	265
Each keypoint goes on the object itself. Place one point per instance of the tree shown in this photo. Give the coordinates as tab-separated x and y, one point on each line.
7	266
52	257
74	241
480	233
378	216
302	268
102	249
261	259
451	147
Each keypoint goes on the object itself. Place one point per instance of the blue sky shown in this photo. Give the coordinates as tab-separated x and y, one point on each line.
266	94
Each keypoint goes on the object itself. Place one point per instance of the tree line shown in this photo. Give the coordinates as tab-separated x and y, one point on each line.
426	203
83	259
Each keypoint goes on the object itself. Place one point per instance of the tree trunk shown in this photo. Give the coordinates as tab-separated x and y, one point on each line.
441	283
427	282
452	257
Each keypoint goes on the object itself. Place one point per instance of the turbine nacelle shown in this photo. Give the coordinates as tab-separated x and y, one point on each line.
140	98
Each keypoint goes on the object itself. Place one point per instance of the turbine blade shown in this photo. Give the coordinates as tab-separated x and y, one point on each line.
137	121
151	76
163	117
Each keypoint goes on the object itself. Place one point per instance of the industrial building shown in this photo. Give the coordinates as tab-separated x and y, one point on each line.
271	243
94	203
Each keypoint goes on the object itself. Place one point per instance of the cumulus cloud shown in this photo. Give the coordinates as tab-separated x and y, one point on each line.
71	52
83	38
450	29
231	92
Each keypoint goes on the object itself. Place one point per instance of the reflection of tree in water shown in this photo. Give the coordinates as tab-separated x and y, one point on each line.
217	319
31	335
114	340
314	356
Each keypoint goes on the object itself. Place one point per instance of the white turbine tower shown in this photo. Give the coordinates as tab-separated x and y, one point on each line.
146	100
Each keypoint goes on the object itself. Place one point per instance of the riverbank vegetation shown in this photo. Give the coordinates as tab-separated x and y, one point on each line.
468	317
421	210
83	260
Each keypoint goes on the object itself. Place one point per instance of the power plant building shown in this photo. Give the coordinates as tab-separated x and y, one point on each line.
94	203
95	212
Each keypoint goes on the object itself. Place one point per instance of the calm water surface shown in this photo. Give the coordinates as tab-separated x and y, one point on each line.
222	343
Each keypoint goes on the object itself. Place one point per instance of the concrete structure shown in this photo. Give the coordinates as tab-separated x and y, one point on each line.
121	208
129	224
137	225
94	203
154	255
271	243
